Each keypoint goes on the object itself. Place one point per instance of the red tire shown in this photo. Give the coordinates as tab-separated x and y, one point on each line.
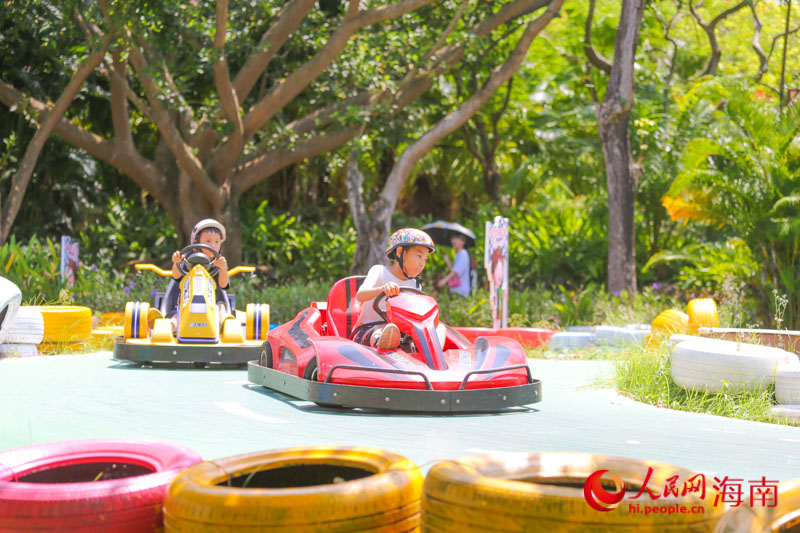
61	486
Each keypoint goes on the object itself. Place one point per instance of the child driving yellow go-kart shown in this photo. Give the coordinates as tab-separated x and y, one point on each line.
195	320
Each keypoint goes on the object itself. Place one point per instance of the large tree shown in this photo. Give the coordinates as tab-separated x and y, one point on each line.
373	221
208	100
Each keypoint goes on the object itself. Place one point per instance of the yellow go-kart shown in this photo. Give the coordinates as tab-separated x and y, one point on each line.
148	336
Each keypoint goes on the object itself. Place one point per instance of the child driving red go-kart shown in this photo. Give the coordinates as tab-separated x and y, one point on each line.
408	249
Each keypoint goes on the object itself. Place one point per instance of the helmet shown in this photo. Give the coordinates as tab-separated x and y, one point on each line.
408	237
208	223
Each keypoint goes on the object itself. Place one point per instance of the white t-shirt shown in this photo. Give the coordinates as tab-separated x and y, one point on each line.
378	276
461	268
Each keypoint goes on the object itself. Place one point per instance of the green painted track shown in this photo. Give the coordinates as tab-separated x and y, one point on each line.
217	413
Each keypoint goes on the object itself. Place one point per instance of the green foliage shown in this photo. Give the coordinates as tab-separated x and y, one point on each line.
741	178
575	307
34	267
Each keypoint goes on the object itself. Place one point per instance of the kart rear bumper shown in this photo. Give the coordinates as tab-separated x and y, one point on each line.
176	353
469	400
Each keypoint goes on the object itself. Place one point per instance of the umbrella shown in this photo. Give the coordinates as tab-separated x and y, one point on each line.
441	231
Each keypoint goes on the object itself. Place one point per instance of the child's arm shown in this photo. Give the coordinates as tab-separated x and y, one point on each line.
364	294
176	258
223	279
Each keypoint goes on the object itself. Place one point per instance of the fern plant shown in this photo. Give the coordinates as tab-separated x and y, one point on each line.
741	178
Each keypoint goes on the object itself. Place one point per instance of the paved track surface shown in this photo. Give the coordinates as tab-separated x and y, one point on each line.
218	413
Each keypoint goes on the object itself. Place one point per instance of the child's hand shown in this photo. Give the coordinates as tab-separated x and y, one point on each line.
447	261
391	289
221	263
176	257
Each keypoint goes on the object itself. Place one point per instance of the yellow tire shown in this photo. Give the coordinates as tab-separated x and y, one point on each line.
114	318
702	314
257	324
135	324
666	324
545	492
66	323
306	489
757	518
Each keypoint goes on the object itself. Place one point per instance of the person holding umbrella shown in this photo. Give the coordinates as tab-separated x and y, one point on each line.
461	269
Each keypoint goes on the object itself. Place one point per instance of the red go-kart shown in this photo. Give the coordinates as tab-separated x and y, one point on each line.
434	369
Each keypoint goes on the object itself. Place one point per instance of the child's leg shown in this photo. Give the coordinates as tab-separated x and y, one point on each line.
381	336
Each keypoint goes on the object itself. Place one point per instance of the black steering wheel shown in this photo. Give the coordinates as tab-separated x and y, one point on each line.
193	255
382	296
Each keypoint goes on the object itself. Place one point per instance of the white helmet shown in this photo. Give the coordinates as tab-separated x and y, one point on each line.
208	223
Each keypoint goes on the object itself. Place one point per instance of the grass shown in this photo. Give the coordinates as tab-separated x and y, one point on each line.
644	375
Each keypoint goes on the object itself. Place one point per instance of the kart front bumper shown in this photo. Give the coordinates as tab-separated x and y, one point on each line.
447	401
226	354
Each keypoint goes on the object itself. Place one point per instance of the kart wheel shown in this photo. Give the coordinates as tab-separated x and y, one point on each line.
331	489
88	485
265	359
257	323
136	320
310	373
515	492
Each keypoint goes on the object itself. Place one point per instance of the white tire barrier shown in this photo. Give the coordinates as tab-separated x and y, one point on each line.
619	337
790	412
787	384
18	350
708	365
572	340
27	328
10	298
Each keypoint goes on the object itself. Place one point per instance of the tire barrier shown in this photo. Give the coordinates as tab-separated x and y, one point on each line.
66	323
330	489
135	323
787	384
777	338
257	321
702	314
27	327
18	350
713	365
666	324
611	336
788	412
516	492
752	517
95	485
10	299
572	340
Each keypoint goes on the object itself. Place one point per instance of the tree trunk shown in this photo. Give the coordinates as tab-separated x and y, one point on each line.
613	118
372	224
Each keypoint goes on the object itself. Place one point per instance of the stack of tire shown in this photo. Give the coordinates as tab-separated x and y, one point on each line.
97	485
558	491
13	339
713	365
294	490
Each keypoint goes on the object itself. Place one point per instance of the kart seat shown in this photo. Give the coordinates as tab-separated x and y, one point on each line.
343	308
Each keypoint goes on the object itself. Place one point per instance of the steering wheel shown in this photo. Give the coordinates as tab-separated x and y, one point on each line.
382	296
193	255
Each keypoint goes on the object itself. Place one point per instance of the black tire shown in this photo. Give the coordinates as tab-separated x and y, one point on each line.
265	359
199	364
310	374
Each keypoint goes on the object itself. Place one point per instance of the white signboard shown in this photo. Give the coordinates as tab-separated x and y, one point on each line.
495	260
69	260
